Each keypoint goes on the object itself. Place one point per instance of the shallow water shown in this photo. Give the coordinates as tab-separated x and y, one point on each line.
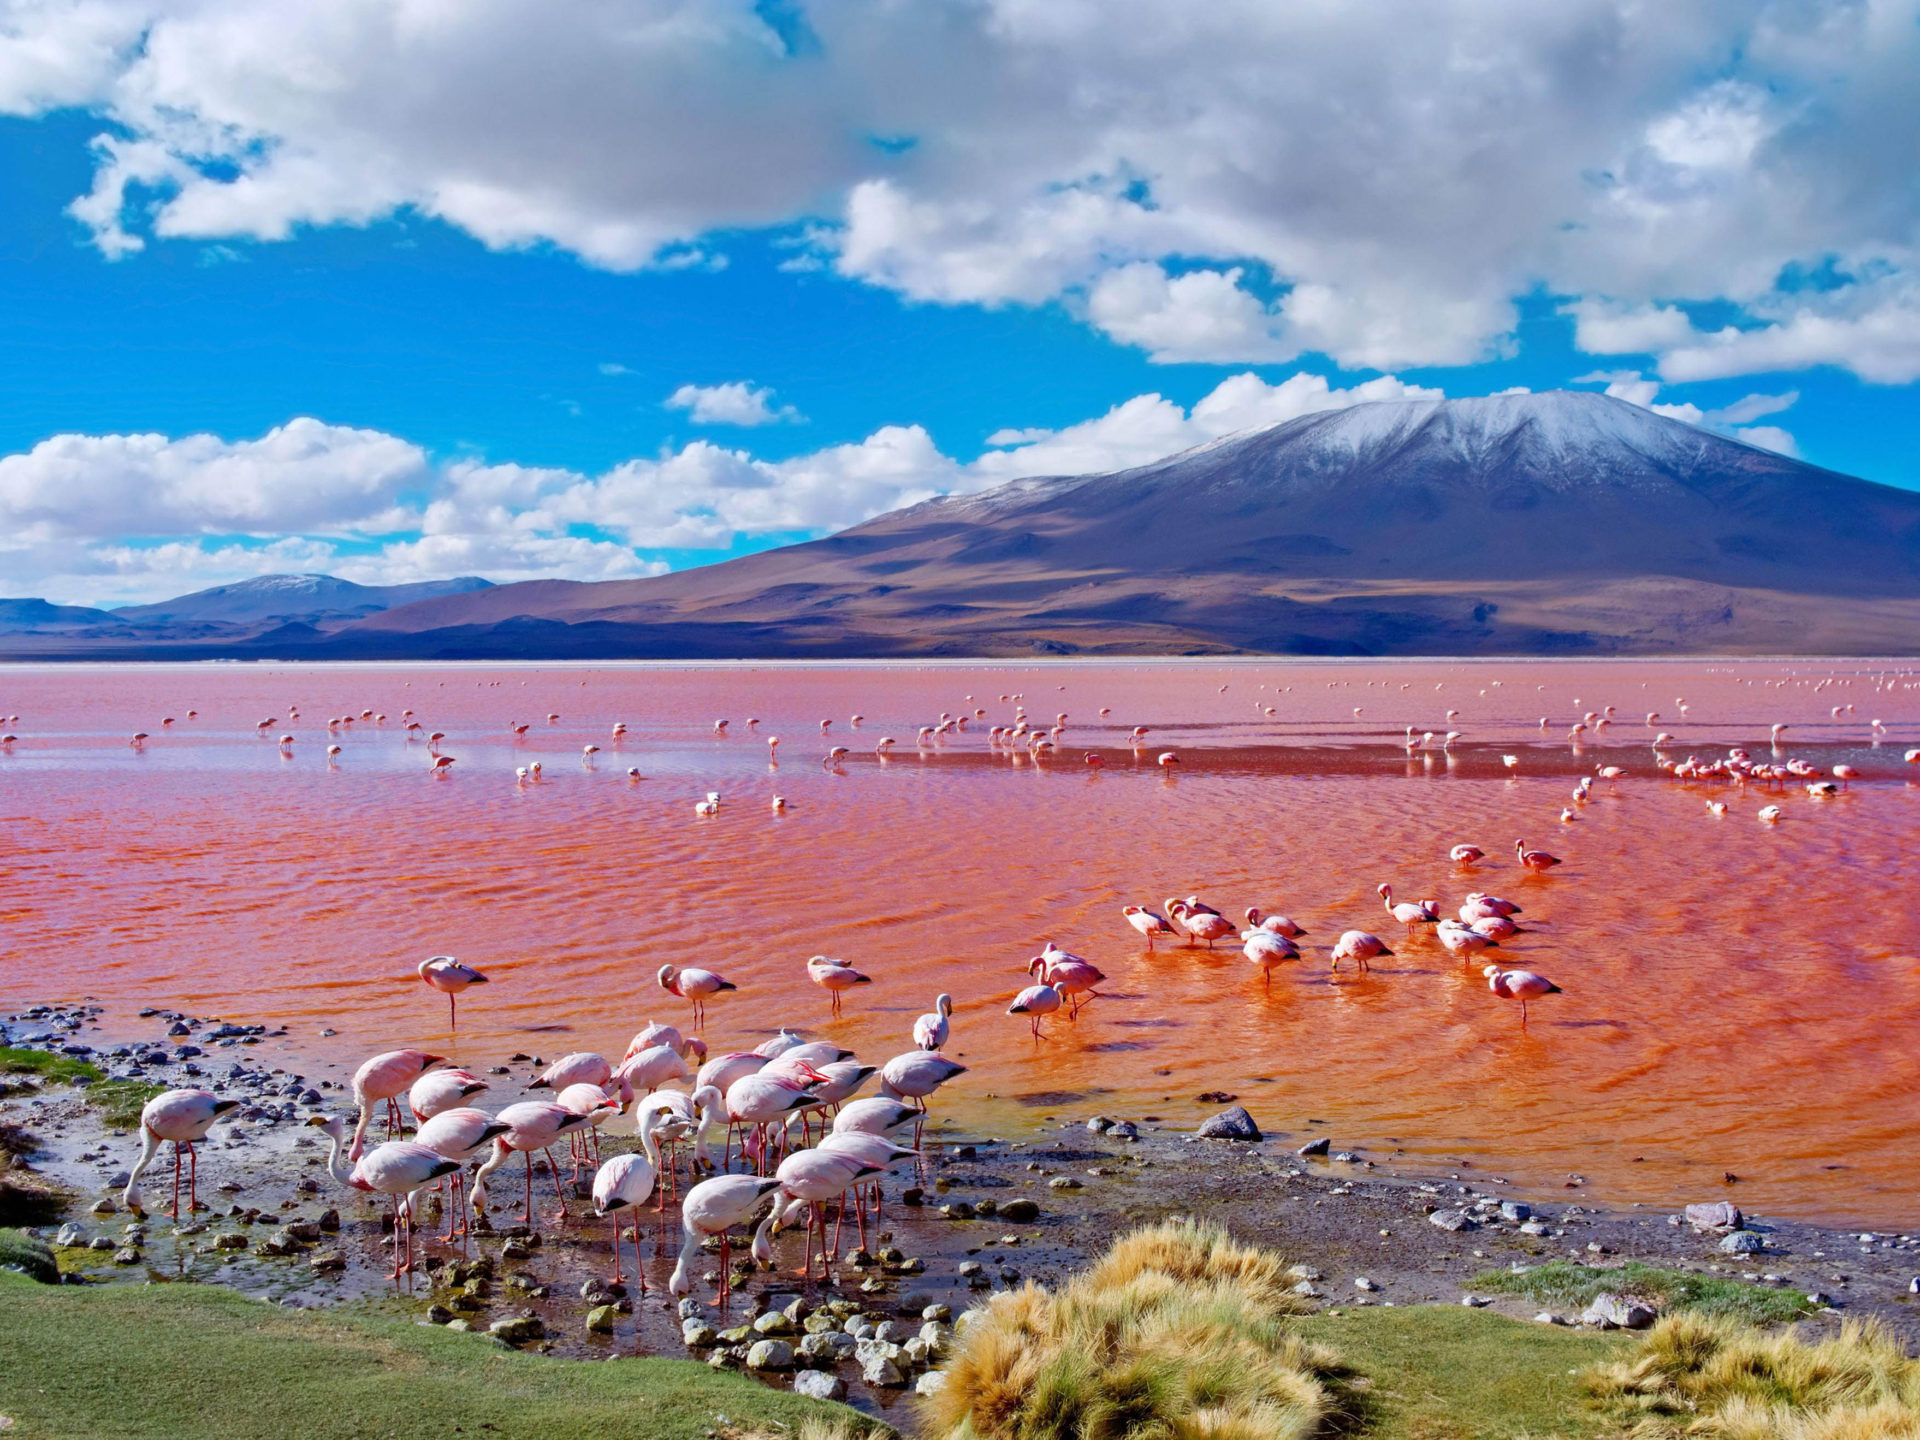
1738	997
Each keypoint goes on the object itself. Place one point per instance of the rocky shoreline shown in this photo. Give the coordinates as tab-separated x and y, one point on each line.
980	1213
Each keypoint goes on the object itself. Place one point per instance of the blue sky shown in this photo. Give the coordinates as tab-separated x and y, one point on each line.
275	336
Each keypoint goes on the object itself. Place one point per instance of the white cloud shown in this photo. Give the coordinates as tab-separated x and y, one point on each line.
1395	174
119	518
738	402
1735	419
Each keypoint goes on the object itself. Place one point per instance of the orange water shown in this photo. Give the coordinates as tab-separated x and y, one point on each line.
1738	997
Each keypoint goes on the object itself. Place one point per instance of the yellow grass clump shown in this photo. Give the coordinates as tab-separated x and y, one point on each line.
1714	1378
851	1428
1178	1333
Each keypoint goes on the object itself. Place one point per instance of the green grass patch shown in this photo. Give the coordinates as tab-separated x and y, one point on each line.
29	1255
1444	1372
120	1101
193	1362
47	1067
1566	1283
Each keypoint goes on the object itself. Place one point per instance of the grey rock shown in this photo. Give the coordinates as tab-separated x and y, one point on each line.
1125	1130
1475	1302
1019	1212
71	1235
819	1385
518	1330
1720	1215
1515	1210
1100	1124
1365	1286
770	1355
1610	1311
931	1383
882	1373
1233	1123
1315	1147
102	1242
1455	1220
1742	1242
600	1319
697	1334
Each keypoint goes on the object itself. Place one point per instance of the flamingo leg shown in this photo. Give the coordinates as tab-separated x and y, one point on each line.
528	1215
614	1216
554	1171
726	1270
176	1179
453	1019
806	1263
639	1269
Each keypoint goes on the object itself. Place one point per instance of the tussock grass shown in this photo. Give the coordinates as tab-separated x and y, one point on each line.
120	1101
29	1255
48	1067
1177	1333
1566	1283
840	1428
1694	1376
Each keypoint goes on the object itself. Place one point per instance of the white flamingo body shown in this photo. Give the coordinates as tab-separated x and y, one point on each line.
930	1030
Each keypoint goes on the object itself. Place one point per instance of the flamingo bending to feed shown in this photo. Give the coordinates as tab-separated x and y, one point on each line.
666	1118
914	1076
649	1069
1359	947
1463	940
877	1151
1033	1002
1538	861
459	1134
184	1117
764	1100
713	1207
721	1071
449	977
599	1107
1770	814
1267	949
582	1067
385	1077
834	976
536	1125
1844	774
1466	856
657	1034
624	1183
1478	907
782	1041
810	1178
1408	912
695	985
930	1030
398	1169
1071	975
1147	923
1278	924
1521	985
1495	927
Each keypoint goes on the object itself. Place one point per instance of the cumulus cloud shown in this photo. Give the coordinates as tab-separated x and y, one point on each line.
117	518
1391	176
738	402
1735	419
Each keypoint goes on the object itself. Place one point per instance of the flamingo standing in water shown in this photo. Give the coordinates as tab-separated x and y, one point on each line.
930	1030
624	1183
1147	923
876	1150
1278	924
442	1090
1408	912
657	1034
713	1207
695	985
535	1126
449	977
914	1076
459	1133
1521	985
1466	856
1267	949
1359	947
184	1117
398	1169
834	976
1033	1002
811	1178
1538	861
1208	925
599	1107
582	1067
385	1077
761	1101
1071	975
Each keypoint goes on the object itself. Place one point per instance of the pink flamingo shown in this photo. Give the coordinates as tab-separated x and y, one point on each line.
656	1034
713	1207
624	1183
668	1117
1521	985
1147	923
1069	974
599	1107
876	1150
1463	940
811	1178
1278	924
1538	861
1359	947
396	1169
1033	1002
535	1126
1266	949
1408	912
762	1100
582	1067
721	1071
914	1076
649	1069
459	1134
1207	925
1479	907
930	1030
1466	856
695	985
1844	774
783	1041
385	1077
834	976
441	1090
184	1117
449	977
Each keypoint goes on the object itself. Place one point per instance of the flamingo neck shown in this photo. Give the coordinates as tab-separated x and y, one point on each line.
337	1164
149	1147
649	1147
680	1284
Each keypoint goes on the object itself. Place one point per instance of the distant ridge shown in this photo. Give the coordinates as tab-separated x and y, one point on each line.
1558	523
